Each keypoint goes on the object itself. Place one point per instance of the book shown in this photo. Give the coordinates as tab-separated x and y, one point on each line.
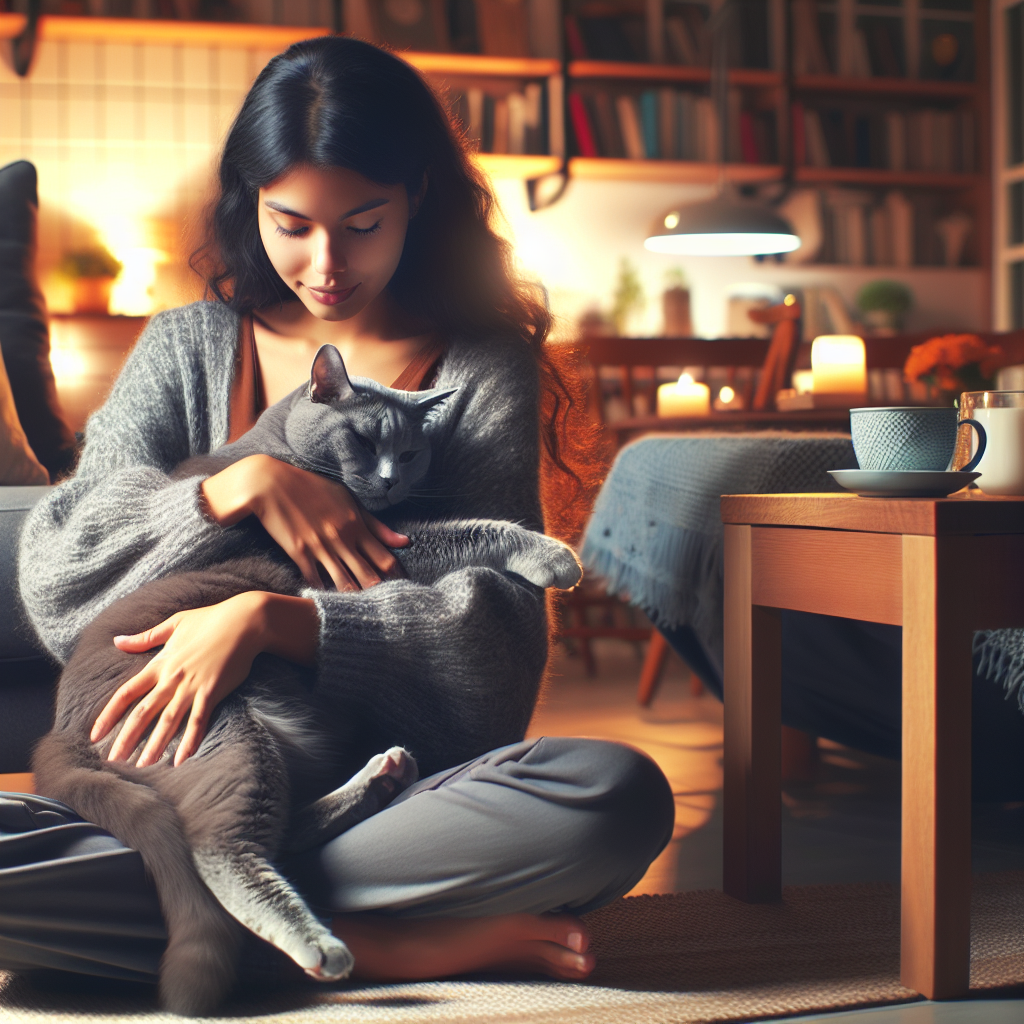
896	141
668	123
533	118
475	115
860	60
516	102
901	222
630	126
689	146
545	21
748	140
556	116
607	125
884	39
880	237
574	39
581	126
502	26
501	125
809	57
708	141
833	127
681	45
655	27
649	124
797	126
817	150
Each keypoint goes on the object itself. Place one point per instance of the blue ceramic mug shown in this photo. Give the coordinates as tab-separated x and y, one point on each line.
910	437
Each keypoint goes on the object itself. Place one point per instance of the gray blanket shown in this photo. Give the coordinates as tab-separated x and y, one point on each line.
656	532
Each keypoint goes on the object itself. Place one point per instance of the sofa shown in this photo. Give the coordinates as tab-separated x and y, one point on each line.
27	672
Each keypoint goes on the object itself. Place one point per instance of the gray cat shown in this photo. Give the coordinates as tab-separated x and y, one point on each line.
209	830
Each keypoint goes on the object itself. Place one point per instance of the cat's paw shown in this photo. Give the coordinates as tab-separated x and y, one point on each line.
336	960
395	770
547	563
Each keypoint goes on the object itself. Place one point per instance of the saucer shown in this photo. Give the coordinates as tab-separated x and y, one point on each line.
901	483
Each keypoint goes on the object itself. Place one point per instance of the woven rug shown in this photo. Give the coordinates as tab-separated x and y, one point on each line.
676	959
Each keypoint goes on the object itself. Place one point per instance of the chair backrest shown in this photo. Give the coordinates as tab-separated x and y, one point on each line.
630	365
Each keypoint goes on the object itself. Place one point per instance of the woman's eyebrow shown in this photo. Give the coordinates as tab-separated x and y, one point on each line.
371	204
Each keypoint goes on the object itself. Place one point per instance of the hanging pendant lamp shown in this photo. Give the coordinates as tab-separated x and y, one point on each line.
725	225
722	226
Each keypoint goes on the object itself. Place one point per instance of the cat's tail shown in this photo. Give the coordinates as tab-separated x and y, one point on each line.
198	967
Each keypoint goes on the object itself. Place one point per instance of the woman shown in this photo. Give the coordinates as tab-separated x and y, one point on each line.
348	214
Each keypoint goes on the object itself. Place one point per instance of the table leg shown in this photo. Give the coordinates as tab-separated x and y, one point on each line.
752	868
936	868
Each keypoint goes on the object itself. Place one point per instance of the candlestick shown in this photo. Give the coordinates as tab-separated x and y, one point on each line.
684	397
838	364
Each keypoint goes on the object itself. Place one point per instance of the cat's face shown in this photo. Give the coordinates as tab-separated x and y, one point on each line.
371	437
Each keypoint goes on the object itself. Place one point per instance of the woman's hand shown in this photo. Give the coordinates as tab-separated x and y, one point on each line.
207	653
315	520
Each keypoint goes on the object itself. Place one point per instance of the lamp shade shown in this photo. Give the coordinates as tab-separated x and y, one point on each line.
721	227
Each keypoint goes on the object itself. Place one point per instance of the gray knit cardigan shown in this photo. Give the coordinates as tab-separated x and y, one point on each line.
451	670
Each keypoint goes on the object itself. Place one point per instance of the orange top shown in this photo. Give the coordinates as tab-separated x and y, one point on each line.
247	394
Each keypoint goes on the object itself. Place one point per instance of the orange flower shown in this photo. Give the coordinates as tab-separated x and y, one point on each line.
942	357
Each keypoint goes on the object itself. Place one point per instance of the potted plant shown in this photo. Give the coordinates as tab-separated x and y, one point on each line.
884	305
92	273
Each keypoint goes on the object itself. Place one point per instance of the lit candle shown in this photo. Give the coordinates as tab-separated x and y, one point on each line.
684	397
838	365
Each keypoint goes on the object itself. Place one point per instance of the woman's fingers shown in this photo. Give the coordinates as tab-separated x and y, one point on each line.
387	566
337	570
383	533
195	730
165	729
123	698
147	639
137	722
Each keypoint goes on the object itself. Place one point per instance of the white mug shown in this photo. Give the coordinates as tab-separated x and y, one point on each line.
1001	413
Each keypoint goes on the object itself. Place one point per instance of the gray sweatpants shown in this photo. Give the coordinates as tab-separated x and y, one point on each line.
543	825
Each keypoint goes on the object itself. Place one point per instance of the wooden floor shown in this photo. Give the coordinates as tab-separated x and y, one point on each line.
842	824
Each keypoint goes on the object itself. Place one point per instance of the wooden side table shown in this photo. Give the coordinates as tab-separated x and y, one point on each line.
941	569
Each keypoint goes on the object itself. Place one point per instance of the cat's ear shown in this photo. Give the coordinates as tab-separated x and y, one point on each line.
426	400
328	380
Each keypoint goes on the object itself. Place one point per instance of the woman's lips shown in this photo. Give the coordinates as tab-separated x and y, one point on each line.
331	296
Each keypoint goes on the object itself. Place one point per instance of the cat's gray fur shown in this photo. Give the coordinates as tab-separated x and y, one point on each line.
209	830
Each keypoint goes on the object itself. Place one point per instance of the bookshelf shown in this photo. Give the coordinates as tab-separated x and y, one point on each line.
800	68
1008	125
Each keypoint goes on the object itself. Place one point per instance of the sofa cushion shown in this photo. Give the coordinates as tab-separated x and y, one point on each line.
18	463
17	638
24	335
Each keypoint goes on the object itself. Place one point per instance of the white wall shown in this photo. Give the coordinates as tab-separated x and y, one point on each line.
575	247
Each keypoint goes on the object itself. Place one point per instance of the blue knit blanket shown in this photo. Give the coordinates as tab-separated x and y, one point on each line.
656	532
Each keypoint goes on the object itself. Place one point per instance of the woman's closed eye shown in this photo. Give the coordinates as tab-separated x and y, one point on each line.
294	233
373	229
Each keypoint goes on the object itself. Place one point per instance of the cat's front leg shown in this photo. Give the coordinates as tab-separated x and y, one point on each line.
368	791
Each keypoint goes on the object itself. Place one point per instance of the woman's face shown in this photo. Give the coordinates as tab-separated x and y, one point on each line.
334	236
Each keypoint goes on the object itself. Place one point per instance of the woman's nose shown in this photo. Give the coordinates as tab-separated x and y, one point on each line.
328	258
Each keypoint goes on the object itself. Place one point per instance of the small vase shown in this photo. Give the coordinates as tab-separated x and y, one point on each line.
92	294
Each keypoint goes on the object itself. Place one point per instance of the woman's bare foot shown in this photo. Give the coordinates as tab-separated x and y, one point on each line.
418	949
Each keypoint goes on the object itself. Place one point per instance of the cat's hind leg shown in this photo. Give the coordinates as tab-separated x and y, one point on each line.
250	888
368	791
232	796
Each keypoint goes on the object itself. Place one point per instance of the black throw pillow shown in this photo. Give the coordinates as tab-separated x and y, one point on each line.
24	334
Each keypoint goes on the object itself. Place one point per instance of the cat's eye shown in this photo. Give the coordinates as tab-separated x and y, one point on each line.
407	456
366	443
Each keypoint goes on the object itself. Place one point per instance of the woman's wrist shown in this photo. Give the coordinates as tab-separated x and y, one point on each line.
290	626
227	496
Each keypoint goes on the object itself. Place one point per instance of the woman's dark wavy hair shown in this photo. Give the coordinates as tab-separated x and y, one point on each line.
339	102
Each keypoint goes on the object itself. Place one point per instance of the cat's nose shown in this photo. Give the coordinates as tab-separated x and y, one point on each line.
387	470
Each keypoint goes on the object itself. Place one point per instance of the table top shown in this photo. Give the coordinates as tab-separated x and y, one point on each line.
967	512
